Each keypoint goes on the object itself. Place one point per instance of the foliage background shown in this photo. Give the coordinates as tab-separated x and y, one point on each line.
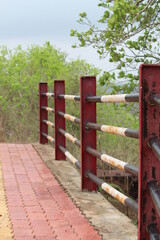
20	73
128	34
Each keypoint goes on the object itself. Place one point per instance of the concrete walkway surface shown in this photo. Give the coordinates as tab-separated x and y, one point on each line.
109	222
33	205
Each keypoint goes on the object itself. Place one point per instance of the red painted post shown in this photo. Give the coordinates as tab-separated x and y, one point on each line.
59	105
43	114
88	136
149	165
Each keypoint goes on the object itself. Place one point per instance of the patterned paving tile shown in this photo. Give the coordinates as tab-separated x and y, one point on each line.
38	208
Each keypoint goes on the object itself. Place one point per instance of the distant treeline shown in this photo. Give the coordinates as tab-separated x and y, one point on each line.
20	73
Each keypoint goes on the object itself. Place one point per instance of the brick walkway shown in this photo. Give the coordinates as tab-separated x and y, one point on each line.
37	205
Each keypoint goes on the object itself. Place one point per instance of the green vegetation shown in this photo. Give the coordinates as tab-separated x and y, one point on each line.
127	34
22	70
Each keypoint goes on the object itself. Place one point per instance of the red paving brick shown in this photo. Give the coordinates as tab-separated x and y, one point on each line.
38	207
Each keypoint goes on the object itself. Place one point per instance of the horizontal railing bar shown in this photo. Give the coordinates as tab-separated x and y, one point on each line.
48	109
70	137
154	99
152	230
48	137
104	128
75	161
114	161
48	123
114	98
70	117
155	145
113	192
69	97
104	157
47	94
155	194
126	132
106	98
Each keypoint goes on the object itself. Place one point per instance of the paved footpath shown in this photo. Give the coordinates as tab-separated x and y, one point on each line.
32	203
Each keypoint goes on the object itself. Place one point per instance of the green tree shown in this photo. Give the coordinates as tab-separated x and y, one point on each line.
20	72
128	33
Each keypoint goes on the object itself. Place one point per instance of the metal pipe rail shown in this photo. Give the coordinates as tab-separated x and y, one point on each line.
113	192
114	98
69	137
48	109
104	157
75	161
47	94
48	137
152	230
104	128
148	173
105	98
106	187
69	97
154	99
155	145
125	132
48	123
155	194
69	117
114	161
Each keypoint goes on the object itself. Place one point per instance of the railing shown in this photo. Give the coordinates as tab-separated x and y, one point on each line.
148	207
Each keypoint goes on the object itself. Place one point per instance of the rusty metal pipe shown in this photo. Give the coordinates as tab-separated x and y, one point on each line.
48	109
155	194
48	137
94	178
70	137
113	192
114	98
131	169
153	233
47	94
70	157
126	132
78	164
113	161
48	123
69	97
155	145
153	98
70	117
156	99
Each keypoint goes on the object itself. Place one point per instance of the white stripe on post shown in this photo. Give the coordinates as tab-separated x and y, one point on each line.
113	161
69	117
113	130
70	157
69	97
114	98
114	193
70	137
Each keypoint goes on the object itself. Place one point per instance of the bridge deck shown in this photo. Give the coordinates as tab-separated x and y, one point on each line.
37	206
33	204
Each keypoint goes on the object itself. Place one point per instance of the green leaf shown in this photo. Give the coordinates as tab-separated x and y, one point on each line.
83	14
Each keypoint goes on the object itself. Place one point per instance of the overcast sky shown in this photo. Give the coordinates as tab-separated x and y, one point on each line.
29	22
